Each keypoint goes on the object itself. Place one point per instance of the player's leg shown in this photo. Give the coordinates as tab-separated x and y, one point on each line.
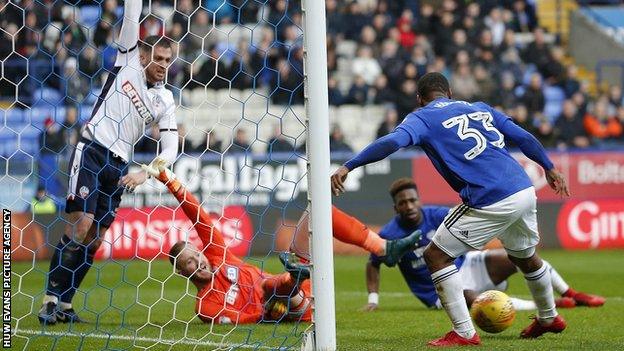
65	259
571	297
520	241
80	207
108	200
285	296
440	255
463	229
538	280
499	267
350	230
489	270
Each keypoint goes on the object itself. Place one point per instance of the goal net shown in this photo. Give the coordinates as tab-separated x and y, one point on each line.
237	80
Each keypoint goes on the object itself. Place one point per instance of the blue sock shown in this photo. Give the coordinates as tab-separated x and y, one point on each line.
79	275
67	257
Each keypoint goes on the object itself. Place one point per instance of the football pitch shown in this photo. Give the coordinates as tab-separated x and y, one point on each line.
140	305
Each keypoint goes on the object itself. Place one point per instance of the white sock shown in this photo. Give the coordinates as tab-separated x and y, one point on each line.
449	287
65	305
541	289
559	285
50	298
523	305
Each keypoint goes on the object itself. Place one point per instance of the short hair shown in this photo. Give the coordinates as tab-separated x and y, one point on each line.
432	82
154	40
175	251
401	184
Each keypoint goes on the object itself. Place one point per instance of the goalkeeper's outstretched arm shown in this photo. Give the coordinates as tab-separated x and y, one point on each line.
214	245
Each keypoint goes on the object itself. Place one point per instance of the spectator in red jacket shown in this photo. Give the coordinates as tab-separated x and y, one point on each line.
404	24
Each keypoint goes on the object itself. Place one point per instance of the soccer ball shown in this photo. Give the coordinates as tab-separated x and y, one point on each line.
493	311
276	309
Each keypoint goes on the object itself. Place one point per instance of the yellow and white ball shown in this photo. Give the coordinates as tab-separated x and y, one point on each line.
493	311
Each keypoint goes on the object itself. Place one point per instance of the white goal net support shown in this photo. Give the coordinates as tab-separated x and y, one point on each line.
237	77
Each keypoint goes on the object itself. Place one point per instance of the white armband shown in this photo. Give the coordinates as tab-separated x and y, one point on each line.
373	298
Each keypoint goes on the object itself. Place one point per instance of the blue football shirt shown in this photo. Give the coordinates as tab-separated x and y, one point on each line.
412	264
465	145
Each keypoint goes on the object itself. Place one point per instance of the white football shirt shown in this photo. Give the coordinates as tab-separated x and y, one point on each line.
127	107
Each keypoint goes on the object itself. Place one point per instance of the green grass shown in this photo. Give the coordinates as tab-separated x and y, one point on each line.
130	299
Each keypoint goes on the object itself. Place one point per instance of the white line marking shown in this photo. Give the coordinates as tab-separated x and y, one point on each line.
171	342
408	294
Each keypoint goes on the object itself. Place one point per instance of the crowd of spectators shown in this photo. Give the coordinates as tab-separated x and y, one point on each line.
377	49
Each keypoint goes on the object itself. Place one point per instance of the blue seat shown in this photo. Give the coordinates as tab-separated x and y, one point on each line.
554	97
49	95
85	113
12	115
37	115
29	146
89	16
8	142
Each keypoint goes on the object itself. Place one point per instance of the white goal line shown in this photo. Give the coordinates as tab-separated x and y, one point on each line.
25	332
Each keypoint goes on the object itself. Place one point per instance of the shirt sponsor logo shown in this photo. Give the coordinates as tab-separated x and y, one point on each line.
591	224
138	103
232	274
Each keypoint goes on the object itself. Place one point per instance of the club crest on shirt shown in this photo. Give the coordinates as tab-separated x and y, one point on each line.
157	101
84	191
138	103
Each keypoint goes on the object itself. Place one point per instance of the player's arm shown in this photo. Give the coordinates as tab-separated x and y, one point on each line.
378	150
216	313
533	149
129	34
214	244
168	129
373	275
168	146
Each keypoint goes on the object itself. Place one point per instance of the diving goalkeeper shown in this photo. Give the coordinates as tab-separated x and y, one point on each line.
232	291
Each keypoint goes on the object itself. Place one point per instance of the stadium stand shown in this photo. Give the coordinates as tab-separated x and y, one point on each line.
374	62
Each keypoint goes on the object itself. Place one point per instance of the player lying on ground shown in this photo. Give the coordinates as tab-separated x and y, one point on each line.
466	144
232	291
480	270
132	99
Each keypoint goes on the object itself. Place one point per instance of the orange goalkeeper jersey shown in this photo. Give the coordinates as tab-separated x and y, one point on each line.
236	293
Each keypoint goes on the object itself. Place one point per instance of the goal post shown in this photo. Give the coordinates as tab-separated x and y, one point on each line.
319	193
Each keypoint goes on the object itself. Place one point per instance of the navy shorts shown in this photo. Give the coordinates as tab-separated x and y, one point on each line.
94	174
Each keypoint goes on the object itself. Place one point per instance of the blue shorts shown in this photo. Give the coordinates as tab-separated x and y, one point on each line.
94	174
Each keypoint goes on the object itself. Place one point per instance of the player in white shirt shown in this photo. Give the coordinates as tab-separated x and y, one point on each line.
132	99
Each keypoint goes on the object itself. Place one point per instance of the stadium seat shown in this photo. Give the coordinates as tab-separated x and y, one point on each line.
554	97
346	48
13	115
90	16
49	95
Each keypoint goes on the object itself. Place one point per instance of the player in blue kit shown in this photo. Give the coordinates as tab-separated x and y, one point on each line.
480	270
466	144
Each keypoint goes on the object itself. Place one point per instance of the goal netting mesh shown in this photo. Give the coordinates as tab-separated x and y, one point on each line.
237	79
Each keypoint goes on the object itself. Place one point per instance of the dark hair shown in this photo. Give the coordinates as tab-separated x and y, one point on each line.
154	40
432	82
175	251
401	184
